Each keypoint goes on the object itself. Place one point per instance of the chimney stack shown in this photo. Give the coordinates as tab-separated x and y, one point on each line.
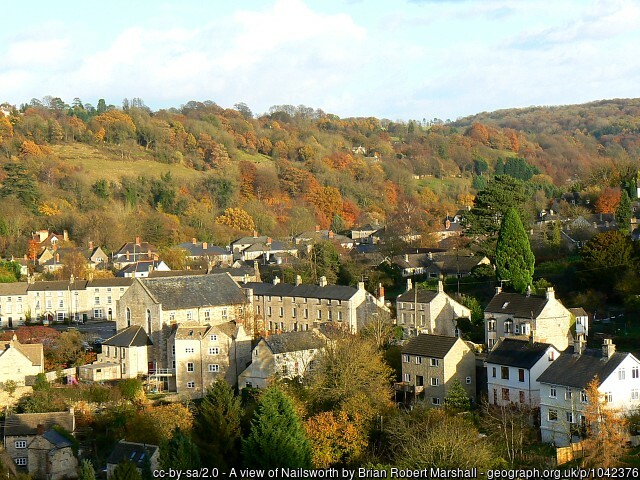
298	280
40	429
498	290
137	240
360	285
440	286
193	241
65	235
90	245
255	234
381	293
551	294
317	228
57	258
276	280
331	234
528	293
323	281
204	245
269	241
409	284
406	257
608	349
430	255
579	345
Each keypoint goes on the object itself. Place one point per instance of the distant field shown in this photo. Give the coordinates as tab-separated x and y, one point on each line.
99	163
446	185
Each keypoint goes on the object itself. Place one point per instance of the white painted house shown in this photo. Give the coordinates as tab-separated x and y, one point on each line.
562	388
513	368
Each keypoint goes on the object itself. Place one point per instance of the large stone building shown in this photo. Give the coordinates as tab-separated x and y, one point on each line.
513	314
284	307
161	304
200	354
428	311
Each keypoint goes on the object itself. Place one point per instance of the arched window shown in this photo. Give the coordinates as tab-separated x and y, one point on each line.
128	314
148	321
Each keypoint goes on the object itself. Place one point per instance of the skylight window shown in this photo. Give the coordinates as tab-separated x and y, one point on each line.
505	305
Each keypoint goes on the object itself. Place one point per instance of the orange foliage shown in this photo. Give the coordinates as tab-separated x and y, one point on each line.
335	439
391	194
608	200
350	213
327	200
338	160
30	149
6	129
479	132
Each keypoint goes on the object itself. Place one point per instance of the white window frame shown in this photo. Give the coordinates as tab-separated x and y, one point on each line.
191	384
213	368
21	461
434	381
20	444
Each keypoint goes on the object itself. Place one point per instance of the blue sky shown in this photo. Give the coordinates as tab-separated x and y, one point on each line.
395	59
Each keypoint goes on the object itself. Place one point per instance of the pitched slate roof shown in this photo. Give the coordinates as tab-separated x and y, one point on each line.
517	353
578	370
176	273
176	293
56	439
110	282
133	336
424	296
135	452
197	249
57	286
18	424
329	292
139	249
436	346
14	288
293	341
578	312
517	305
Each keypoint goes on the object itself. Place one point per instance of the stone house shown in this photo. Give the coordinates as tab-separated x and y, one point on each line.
514	314
582	321
200	354
103	295
438	264
132	252
513	368
250	248
563	384
309	238
51	457
285	307
367	234
159	304
58	301
21	430
20	362
53	259
285	355
138	453
203	251
427	311
430	364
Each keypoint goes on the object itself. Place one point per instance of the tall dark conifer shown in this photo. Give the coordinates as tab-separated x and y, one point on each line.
514	259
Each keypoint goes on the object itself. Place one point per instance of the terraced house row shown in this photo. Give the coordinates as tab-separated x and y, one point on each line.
57	301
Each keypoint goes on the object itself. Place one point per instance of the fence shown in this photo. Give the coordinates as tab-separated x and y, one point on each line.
567	454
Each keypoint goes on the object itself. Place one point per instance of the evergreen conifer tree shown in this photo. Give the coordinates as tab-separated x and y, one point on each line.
514	258
623	213
217	428
457	398
87	472
126	471
277	438
179	453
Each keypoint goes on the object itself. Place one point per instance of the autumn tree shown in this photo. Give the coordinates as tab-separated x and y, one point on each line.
156	425
74	264
174	257
608	200
351	375
335	439
430	438
514	258
126	470
236	218
605	430
277	437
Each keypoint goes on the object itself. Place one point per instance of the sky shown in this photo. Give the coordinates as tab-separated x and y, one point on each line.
395	59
